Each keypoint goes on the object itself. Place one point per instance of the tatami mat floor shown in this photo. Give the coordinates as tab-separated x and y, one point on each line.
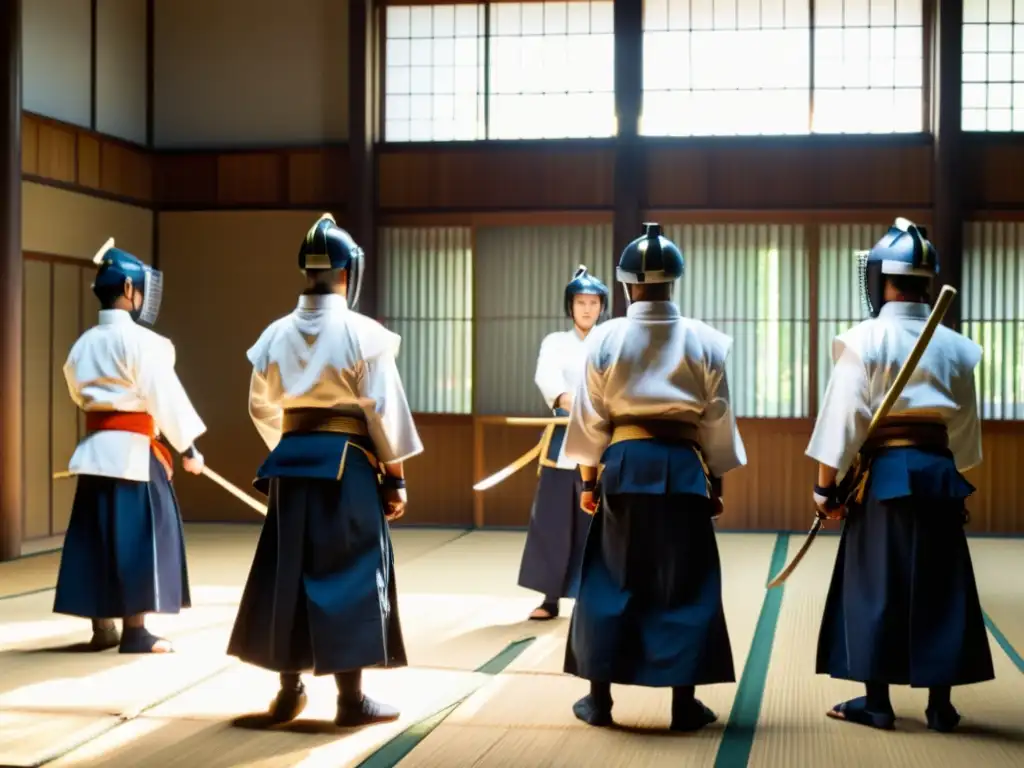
484	687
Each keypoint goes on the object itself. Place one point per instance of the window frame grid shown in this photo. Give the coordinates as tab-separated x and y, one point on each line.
735	27
1016	26
484	88
381	70
813	28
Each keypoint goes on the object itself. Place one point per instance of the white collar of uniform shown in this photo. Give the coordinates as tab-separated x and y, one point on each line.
322	301
905	309
652	310
115	317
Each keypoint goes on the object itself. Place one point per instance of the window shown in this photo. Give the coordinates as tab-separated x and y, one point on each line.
521	278
434	73
426	286
551	72
993	66
868	66
715	68
743	67
548	66
993	313
750	281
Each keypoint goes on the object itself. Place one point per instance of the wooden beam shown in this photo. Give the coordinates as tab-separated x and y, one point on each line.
629	179
11	269
93	54
947	231
362	195
150	71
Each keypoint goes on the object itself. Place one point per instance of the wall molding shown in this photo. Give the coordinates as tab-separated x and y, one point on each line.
697	177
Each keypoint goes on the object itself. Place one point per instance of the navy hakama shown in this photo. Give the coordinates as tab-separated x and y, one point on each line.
124	550
649	610
903	606
321	592
557	534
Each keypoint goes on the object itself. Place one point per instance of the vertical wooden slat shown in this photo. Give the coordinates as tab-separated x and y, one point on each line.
64	420
38	365
812	233
362	195
947	176
630	184
12	481
93	53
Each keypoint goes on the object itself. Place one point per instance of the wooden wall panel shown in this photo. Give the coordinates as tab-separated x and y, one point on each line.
54	318
996	506
992	172
787	172
71	223
720	174
529	176
507	504
270	179
85	161
36	397
773	492
66	319
440	479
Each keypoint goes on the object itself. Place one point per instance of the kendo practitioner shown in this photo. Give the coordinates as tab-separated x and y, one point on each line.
903	607
558	526
124	549
652	422
327	398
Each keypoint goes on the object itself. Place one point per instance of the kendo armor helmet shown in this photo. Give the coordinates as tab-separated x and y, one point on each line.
584	283
328	246
118	268
903	250
651	258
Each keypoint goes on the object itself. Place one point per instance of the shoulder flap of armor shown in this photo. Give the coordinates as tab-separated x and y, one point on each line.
151	346
717	343
970	351
856	339
374	339
259	353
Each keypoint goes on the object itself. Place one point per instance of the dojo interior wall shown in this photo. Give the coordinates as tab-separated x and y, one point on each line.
250	147
84	63
239	73
61	230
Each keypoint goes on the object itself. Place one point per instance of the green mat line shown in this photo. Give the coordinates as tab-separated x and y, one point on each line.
392	752
1005	644
738	738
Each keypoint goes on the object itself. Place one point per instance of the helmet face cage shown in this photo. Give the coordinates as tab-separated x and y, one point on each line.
355	277
862	275
152	295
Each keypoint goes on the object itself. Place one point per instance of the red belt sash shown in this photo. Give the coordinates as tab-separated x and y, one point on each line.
136	423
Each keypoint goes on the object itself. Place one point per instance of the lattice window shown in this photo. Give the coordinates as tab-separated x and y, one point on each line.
427	296
993	66
993	313
868	66
552	70
751	282
717	68
434	73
